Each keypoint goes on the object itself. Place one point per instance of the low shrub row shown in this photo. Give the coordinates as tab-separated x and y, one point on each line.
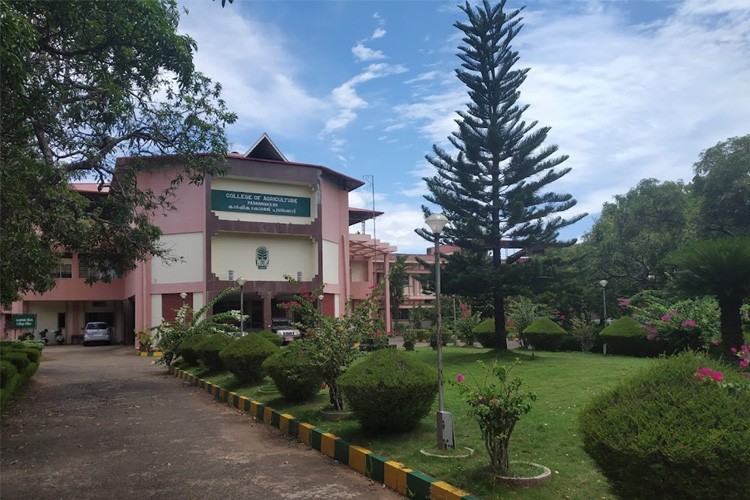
19	360
387	390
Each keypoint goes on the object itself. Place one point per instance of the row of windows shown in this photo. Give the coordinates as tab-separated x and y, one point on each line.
65	270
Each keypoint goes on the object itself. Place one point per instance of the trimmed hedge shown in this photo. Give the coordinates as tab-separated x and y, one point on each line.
7	371
19	360
272	337
484	333
389	391
662	434
544	334
188	346
627	336
244	356
209	348
294	375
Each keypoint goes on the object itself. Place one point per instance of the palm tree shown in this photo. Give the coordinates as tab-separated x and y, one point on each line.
718	267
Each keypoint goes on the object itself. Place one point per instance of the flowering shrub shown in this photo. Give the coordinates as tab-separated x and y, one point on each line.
330	342
744	354
688	324
497	405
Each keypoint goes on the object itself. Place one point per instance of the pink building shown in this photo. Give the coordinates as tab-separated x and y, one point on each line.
266	218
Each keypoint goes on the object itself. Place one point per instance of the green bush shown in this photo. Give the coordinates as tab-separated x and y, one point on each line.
389	390
484	332
544	334
32	353
272	337
188	346
19	359
293	373
244	356
209	348
663	434
627	336
7	372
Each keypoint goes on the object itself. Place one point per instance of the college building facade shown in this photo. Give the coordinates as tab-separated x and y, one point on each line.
265	219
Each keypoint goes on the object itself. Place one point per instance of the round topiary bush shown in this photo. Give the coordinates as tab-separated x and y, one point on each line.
666	434
244	357
209	348
484	333
545	335
187	348
294	374
389	390
627	336
272	337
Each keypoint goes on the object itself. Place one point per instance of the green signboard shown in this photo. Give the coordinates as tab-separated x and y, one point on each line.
24	321
259	203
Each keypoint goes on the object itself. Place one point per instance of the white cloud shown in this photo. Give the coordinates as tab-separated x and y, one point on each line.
346	99
378	33
365	54
270	97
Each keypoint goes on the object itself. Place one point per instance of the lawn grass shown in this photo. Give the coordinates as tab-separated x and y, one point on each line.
548	435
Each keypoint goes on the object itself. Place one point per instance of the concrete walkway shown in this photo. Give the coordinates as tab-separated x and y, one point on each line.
100	422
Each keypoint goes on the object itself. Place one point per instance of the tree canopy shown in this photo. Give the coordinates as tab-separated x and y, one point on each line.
83	83
722	185
494	189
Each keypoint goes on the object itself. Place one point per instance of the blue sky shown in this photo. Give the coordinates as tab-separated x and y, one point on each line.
630	89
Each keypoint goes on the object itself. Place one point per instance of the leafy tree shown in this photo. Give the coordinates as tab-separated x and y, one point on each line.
719	267
398	279
722	184
492	190
81	84
634	234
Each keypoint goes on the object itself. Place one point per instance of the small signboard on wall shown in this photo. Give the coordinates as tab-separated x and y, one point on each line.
259	203
24	321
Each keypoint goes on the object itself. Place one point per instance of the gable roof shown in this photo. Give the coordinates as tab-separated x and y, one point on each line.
265	149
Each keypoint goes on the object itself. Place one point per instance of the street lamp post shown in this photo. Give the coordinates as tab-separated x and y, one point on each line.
241	282
603	283
445	436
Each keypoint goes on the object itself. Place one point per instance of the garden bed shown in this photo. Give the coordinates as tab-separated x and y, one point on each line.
548	435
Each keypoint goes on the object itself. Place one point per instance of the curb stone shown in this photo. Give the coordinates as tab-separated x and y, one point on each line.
394	475
155	354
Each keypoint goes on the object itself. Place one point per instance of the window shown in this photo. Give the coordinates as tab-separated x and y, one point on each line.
65	269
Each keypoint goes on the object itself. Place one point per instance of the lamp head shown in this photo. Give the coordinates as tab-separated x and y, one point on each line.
436	222
603	283
183	295
241	281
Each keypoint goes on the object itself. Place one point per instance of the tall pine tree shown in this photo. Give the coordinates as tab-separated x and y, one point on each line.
492	189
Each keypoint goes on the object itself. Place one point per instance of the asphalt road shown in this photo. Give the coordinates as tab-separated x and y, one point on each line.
100	422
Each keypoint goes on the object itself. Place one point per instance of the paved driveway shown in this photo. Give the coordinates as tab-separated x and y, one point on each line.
99	422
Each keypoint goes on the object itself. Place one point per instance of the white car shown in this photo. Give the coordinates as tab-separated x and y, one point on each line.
284	329
97	331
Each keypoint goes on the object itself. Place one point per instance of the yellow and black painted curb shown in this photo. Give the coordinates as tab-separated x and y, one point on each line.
394	475
155	354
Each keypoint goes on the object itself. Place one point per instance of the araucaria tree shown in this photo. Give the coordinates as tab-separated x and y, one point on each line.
81	84
494	189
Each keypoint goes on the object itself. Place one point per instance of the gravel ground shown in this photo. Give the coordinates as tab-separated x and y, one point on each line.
100	422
